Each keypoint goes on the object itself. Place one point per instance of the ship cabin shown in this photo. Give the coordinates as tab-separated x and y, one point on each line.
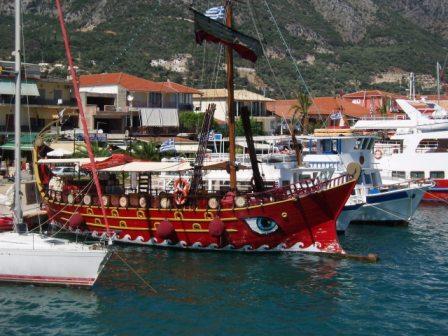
329	155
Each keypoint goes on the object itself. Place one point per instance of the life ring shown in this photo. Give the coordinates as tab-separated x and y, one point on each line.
181	190
378	154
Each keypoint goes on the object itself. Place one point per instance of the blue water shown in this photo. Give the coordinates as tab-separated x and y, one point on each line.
406	293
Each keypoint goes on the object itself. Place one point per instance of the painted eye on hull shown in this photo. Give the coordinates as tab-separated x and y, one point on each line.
262	225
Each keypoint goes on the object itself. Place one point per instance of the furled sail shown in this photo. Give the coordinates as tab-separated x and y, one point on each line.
213	31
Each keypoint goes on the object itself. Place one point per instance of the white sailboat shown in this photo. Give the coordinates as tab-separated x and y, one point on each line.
27	257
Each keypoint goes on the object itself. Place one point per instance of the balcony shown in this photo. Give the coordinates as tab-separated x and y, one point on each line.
38	101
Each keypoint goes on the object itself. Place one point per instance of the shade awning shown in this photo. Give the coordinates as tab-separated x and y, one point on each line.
70	161
26	142
159	117
150	167
8	87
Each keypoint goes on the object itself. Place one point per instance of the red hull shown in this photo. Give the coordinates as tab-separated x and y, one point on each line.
87	282
303	223
438	193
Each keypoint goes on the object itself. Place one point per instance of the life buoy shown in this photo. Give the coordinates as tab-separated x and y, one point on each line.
378	154
181	190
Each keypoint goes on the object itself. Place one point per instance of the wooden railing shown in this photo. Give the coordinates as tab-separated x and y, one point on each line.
296	190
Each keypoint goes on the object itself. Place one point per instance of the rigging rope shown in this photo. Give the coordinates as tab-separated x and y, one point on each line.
301	78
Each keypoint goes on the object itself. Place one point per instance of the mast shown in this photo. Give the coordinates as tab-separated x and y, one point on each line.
438	68
230	102
82	116
18	215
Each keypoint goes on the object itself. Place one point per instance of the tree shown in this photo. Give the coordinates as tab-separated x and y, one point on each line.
145	151
257	127
299	117
383	108
98	151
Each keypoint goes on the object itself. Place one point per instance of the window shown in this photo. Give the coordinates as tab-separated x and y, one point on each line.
417	174
374	179
57	94
437	174
367	178
399	174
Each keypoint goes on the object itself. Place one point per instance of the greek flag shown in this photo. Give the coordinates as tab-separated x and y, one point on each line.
167	146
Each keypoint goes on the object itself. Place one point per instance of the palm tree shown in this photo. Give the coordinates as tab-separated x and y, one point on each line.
81	151
383	108
145	151
299	117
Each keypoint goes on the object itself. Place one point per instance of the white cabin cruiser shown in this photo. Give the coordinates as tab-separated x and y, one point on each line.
372	201
418	147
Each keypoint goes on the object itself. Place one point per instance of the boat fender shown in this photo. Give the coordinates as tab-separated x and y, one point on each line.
165	229
142	202
216	227
378	154
165	203
240	202
124	201
87	199
76	221
71	198
106	200
213	203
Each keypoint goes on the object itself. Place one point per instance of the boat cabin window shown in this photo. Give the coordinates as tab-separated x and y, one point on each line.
417	174
375	179
399	174
432	146
364	143
437	174
331	146
367	178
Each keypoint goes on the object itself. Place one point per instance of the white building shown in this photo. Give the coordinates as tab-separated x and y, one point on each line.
254	101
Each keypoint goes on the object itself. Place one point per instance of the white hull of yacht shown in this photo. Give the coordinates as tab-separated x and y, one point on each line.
32	258
392	207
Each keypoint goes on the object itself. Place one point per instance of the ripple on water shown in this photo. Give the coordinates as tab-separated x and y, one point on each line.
222	294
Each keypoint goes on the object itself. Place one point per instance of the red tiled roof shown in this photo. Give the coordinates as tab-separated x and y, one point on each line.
133	83
321	106
179	88
368	94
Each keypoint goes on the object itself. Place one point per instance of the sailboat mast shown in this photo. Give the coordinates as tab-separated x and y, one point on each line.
18	216
230	102
438	82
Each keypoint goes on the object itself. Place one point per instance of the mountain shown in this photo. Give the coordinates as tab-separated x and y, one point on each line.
335	44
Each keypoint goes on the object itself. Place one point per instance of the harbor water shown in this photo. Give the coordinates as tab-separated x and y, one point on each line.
406	293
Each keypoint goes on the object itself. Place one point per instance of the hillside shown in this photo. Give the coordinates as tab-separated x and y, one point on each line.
338	44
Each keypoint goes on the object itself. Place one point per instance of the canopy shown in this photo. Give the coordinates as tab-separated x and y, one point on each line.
149	167
159	117
26	140
207	29
70	161
60	152
112	161
8	87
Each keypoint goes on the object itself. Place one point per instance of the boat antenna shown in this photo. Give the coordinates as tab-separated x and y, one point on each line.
19	226
230	101
82	116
